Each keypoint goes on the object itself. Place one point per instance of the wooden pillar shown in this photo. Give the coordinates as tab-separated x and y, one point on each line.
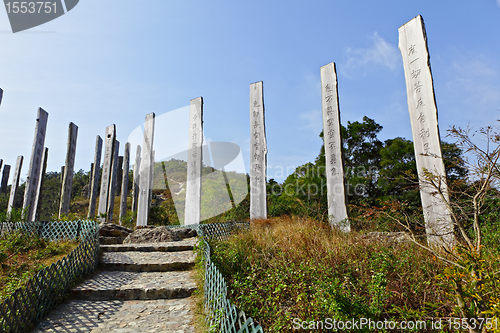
35	165
15	184
90	179
192	212
109	148
144	201
135	186
112	184
424	126
96	171
69	167
38	197
258	153
124	191
5	178
334	167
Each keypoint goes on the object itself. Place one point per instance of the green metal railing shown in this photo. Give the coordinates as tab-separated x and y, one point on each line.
222	315
28	305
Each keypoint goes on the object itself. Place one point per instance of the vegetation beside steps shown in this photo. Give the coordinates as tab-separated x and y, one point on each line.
287	269
23	255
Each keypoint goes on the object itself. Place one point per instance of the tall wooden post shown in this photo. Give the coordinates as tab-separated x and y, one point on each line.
144	201
135	186
5	178
96	171
112	184
425	130
69	167
38	197
192	212
109	149
35	165
15	184
90	180
335	183
124	191
258	153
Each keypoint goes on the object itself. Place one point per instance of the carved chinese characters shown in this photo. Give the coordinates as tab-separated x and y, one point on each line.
15	184
113	181
194	166
68	170
38	195
423	116
5	178
95	176
337	209
145	177
109	148
135	186
124	191
35	165
258	153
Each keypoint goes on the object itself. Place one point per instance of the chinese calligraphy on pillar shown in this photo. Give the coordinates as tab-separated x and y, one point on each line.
258	153
109	148
68	170
145	174
334	169
425	131
15	184
135	186
193	187
95	176
35	165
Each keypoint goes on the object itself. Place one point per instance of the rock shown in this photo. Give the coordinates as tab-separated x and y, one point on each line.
147	235
113	230
86	191
111	240
387	237
152	234
185	232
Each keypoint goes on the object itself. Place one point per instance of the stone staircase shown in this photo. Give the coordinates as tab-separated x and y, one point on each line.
137	288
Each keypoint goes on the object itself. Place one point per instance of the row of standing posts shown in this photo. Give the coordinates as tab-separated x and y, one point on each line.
425	131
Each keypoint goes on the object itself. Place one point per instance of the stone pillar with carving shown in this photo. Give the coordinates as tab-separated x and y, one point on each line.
35	165
425	131
144	200
258	153
334	167
192	213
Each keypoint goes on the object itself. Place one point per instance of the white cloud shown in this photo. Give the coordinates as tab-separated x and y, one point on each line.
498	3
475	80
311	120
382	53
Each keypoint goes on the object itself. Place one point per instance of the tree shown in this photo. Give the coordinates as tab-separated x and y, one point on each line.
361	149
471	272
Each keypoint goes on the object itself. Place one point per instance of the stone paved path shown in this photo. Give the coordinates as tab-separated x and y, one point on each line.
138	288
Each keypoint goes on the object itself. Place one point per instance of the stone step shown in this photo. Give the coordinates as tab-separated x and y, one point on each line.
162	315
147	261
112	285
183	245
110	240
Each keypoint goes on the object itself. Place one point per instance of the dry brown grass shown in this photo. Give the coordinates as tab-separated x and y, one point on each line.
292	267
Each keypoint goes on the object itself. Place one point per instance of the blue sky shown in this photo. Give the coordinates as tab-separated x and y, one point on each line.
115	61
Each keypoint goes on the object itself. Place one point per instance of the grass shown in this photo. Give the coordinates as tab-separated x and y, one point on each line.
287	268
22	256
200	315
